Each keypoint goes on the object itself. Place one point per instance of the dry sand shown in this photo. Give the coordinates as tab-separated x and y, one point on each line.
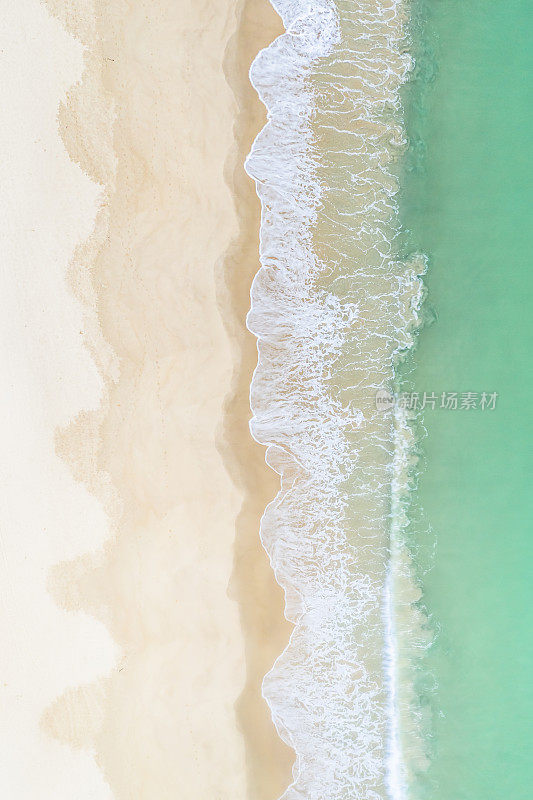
161	121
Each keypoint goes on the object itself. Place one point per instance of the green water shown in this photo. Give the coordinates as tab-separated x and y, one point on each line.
468	204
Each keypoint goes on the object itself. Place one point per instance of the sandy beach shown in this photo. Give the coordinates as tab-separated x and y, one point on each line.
177	620
157	131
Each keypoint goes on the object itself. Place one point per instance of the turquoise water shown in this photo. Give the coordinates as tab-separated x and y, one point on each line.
468	204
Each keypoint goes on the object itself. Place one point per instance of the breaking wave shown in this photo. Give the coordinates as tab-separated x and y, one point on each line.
332	308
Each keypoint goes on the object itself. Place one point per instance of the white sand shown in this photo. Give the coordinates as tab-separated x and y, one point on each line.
47	205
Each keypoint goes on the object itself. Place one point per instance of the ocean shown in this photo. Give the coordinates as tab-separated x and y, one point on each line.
466	201
399	534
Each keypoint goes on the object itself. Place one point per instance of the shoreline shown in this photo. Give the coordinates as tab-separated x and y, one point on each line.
260	597
315	314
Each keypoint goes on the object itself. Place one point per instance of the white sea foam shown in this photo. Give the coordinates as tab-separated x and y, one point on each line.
330	311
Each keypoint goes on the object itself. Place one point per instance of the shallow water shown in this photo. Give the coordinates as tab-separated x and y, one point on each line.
331	306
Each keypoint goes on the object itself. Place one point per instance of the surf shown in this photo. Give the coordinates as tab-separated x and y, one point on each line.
333	308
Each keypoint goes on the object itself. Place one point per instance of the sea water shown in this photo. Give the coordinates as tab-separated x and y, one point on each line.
467	202
371	691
